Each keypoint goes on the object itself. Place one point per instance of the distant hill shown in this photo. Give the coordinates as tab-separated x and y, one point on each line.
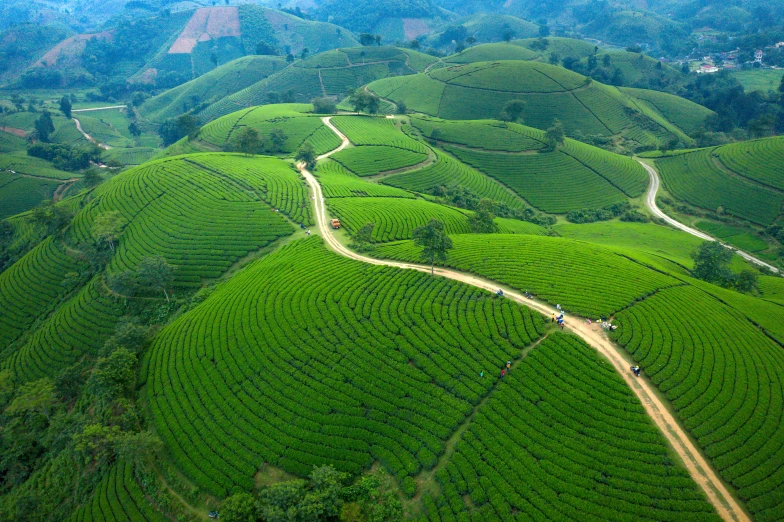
585	107
333	73
394	20
483	27
171	48
23	45
211	87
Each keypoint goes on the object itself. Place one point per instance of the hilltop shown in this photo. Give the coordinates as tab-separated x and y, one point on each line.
482	89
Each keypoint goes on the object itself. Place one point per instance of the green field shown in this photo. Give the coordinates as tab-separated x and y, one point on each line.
481	90
337	182
763	80
735	236
372	160
20	193
733	177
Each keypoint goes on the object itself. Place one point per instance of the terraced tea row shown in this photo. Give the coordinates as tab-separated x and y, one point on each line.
79	327
541	264
552	182
759	160
364	130
337	182
383	367
696	178
482	134
119	498
563	438
372	160
31	286
450	173
723	377
201	212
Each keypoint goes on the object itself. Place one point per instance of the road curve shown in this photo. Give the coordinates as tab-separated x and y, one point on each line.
699	469
650	200
88	137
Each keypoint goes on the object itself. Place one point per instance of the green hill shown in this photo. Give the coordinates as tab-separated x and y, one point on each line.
211	87
332	73
745	178
481	90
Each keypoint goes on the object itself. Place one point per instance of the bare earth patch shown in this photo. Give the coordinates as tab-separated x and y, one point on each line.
414	27
207	24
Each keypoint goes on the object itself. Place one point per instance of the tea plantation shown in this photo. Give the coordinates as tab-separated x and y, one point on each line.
745	178
372	374
723	377
481	90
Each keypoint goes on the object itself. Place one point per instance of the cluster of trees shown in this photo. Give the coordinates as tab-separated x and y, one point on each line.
711	264
362	240
177	128
66	157
306	154
461	197
624	210
368	39
249	141
364	101
152	274
130	39
434	241
325	496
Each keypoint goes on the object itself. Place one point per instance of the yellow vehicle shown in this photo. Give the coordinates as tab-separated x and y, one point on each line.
335	223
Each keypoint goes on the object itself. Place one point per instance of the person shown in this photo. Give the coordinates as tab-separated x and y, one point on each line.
553	319
503	372
508	365
562	325
557	307
482	374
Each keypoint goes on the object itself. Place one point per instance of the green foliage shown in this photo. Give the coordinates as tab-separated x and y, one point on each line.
307	155
555	135
107	226
324	106
247	141
241	507
36	397
357	304
175	128
434	241
113	376
371	160
513	111
363	101
65	106
65	157
482	221
363	238
155	274
44	126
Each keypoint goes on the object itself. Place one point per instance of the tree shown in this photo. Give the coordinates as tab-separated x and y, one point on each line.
304	53
175	128
363	101
241	507
513	111
34	397
434	242
129	333
401	107
367	39
363	238
482	221
711	262
555	135
214	58
139	447
544	31
154	273
289	58
277	140
508	35
97	442
123	283
265	49
44	126
324	106
414	44
248	142
52	217
747	281
781	85
114	375
134	130
307	155
107	226
92	178
470	40
65	106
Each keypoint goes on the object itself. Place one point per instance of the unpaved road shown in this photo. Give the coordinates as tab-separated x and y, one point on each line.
699	469
650	200
88	137
99	108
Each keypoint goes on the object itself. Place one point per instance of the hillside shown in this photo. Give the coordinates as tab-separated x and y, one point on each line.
332	73
481	90
211	87
191	333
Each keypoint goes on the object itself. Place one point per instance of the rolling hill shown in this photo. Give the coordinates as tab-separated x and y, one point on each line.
333	73
482	89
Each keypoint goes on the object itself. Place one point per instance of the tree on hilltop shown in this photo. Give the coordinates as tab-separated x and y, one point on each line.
555	135
277	140
434	241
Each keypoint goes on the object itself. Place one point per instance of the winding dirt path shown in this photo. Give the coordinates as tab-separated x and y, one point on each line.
88	137
699	469
650	200
99	108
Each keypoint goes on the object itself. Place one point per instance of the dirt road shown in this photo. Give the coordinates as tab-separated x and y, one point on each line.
88	137
695	463
650	200
99	108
